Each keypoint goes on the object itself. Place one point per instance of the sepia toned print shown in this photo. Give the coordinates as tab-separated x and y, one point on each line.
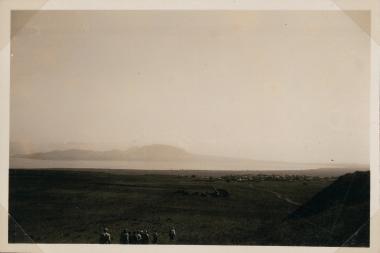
190	127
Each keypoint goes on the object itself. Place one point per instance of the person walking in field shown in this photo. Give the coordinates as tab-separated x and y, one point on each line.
155	237
124	237
145	237
105	237
138	238
172	234
133	239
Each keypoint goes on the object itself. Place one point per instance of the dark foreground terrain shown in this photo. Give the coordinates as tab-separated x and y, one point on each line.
58	206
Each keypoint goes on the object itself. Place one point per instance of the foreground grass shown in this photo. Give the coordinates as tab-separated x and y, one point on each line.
73	207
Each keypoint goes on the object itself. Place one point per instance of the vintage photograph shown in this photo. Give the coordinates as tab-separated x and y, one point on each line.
190	127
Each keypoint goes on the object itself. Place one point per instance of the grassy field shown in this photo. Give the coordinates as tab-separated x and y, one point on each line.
57	206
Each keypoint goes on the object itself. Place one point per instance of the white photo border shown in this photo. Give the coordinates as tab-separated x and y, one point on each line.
6	6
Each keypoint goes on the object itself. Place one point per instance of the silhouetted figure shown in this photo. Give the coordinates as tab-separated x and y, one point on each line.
133	238
124	237
155	237
138	238
172	234
105	237
145	237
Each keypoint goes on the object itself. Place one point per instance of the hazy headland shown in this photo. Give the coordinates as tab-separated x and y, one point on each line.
166	159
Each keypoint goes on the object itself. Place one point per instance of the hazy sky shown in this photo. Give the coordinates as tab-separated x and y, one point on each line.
285	86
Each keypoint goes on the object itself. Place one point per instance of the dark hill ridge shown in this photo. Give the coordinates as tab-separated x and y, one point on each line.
349	189
336	216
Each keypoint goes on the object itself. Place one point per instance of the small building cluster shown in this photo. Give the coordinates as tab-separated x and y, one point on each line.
265	177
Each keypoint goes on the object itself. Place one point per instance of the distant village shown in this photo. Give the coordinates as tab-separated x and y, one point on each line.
264	177
223	193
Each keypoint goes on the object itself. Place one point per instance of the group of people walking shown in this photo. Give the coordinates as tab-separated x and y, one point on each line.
135	237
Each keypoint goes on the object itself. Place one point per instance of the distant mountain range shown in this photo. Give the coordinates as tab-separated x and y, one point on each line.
163	157
155	152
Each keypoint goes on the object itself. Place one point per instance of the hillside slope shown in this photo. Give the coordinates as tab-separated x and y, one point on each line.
336	216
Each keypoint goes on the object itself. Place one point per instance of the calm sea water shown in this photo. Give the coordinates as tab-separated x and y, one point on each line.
23	163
